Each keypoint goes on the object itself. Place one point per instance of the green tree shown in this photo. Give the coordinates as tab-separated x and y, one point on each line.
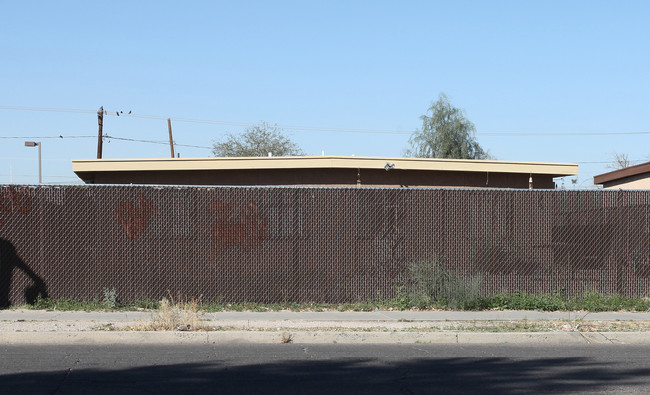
257	140
445	133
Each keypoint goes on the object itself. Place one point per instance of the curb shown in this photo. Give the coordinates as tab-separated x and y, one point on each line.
315	337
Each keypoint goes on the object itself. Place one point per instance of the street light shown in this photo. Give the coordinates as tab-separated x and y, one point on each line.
37	144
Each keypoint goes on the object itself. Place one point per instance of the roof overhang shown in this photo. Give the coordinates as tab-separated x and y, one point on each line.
85	168
622	173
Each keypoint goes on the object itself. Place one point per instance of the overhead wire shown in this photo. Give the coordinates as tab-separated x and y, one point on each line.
31	175
285	127
164	142
106	136
44	109
153	142
204	121
46	137
544	134
314	128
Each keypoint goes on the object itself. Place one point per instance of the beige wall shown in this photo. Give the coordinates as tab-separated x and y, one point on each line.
640	181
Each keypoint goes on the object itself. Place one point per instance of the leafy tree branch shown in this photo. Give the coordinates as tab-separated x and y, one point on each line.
257	140
445	133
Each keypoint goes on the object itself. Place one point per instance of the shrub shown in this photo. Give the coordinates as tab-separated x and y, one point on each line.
431	282
110	298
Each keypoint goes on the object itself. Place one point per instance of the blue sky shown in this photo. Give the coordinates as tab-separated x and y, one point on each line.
542	81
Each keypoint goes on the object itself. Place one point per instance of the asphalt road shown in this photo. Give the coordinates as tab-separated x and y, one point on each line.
329	369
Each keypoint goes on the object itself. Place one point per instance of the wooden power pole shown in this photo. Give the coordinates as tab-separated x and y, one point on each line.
100	120
171	141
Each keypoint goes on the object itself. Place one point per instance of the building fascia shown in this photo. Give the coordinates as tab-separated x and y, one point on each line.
80	166
619	175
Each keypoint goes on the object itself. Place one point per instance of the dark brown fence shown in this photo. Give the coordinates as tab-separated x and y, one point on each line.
314	244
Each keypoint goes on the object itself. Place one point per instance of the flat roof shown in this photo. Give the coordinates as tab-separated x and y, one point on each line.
622	173
84	166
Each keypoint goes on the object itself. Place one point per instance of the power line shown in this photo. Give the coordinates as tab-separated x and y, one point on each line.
34	175
47	137
517	134
32	159
204	121
317	128
162	142
42	109
153	142
106	137
635	161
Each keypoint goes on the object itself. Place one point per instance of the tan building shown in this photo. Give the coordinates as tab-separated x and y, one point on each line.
633	177
323	171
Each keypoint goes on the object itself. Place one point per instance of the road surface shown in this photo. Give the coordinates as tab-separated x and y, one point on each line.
324	369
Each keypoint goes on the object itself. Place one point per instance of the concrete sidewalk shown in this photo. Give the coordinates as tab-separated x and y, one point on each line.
46	327
379	315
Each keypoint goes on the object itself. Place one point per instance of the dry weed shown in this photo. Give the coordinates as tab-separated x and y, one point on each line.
179	315
286	338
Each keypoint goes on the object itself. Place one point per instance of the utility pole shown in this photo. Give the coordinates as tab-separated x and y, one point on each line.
171	141
100	121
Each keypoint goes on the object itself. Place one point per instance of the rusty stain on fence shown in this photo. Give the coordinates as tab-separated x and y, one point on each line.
15	199
134	217
237	225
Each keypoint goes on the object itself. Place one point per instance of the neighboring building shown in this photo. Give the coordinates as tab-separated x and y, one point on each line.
633	177
323	171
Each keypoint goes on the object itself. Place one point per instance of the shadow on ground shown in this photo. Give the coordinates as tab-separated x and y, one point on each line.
363	375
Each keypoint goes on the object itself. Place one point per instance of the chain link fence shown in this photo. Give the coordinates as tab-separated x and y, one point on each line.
332	245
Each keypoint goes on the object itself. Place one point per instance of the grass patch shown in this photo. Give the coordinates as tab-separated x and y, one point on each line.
256	307
67	305
525	301
558	301
518	300
90	305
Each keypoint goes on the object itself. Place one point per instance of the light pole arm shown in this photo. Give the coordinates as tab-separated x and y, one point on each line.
40	168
